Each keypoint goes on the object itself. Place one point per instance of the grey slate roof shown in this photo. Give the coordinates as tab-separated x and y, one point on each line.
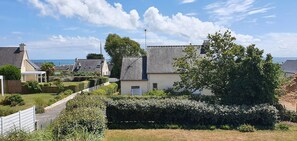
64	67
161	58
88	65
290	66
11	55
133	68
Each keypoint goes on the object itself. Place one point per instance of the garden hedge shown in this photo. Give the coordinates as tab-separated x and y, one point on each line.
181	111
86	101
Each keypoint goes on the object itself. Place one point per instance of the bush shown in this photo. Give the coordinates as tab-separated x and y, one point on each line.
212	127
225	127
59	84
156	93
33	87
86	101
99	92
4	111
282	126
68	92
102	80
39	101
10	72
246	128
39	109
91	120
178	111
13	100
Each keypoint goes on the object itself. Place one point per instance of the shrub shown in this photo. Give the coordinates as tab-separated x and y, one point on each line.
59	84
282	126
156	93
212	127
39	101
86	101
91	120
99	92
68	92
39	109
4	111
33	87
178	111
102	80
10	72
225	127
246	128
13	100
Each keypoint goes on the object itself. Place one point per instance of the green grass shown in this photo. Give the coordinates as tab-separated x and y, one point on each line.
30	100
74	83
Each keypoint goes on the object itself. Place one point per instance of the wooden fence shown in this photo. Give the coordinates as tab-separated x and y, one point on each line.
22	120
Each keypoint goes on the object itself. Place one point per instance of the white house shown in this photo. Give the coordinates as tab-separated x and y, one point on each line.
154	71
18	57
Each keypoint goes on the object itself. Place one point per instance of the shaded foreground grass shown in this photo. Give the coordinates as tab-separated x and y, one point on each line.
200	135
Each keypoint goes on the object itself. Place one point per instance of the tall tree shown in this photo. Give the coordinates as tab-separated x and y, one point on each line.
49	68
235	74
117	48
95	56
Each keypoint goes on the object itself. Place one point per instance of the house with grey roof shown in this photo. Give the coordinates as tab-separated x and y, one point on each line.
154	71
91	65
289	67
18	57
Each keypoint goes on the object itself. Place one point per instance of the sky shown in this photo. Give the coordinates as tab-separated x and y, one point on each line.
68	29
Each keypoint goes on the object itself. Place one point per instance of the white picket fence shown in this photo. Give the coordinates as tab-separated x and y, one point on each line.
23	120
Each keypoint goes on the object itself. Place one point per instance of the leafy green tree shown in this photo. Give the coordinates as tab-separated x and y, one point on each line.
117	48
235	74
95	56
10	72
49	68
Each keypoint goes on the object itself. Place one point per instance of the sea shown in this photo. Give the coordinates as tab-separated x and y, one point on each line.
59	62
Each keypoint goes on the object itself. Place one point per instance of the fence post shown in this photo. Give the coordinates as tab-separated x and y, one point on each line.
2	126
34	118
20	120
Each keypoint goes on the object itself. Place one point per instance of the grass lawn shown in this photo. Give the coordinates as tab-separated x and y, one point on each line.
200	135
30	100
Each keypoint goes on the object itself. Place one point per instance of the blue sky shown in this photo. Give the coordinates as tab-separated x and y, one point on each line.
66	29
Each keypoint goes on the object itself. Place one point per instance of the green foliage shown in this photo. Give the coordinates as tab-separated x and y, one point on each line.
91	120
99	92
39	101
33	87
178	111
235	74
10	72
60	85
39	109
106	90
246	128
156	93
49	68
13	100
225	127
212	127
95	56
68	92
117	48
282	126
86	101
17	135
4	111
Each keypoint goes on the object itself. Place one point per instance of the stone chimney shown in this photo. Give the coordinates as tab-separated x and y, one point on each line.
22	47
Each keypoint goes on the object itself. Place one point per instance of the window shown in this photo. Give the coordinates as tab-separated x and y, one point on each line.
155	86
135	87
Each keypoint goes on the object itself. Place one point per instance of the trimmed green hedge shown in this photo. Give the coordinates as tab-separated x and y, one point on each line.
178	111
86	101
106	90
84	119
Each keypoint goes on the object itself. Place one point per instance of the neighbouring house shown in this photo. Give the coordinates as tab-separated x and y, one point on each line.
91	65
154	71
289	67
18	57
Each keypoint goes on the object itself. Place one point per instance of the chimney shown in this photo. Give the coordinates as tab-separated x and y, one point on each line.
22	47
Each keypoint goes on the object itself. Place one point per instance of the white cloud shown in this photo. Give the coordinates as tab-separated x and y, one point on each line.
98	12
188	28
230	11
187	1
279	44
64	47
